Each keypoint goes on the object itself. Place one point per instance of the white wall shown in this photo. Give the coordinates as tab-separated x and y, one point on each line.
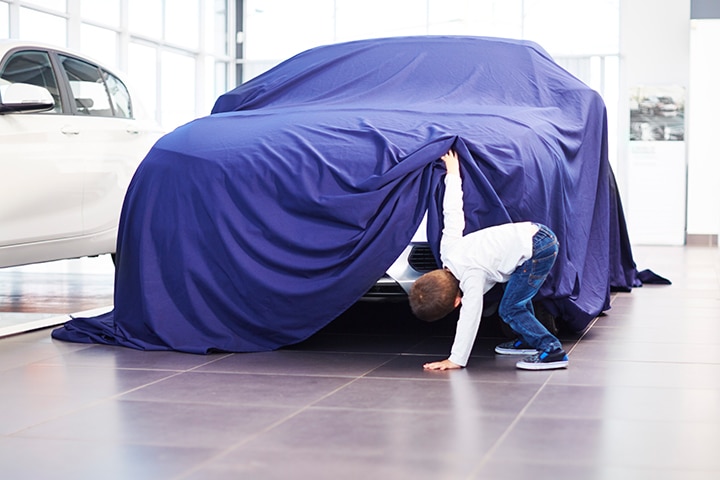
660	46
703	112
654	51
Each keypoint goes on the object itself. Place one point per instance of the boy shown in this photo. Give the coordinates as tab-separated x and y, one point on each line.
519	254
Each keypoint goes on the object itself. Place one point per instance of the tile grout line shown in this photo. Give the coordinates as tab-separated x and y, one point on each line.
116	396
486	457
277	423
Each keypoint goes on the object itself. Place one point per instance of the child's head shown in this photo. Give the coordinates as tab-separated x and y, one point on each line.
434	295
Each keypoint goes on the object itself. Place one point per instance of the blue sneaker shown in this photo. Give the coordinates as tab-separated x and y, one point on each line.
515	347
544	361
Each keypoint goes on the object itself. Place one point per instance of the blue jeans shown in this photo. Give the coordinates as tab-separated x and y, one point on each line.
516	308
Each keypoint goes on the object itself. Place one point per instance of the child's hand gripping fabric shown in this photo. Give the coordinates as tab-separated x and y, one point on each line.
451	162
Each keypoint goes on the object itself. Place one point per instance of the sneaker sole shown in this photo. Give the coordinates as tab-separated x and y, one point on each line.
542	366
514	351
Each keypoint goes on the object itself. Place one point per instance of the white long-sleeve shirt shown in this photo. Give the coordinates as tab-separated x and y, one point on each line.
478	260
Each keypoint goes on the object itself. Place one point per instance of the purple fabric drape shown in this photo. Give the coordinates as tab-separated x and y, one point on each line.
255	226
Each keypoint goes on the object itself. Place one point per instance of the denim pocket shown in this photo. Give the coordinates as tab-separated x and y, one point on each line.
540	267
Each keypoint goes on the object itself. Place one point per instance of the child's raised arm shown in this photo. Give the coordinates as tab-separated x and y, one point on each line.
453	215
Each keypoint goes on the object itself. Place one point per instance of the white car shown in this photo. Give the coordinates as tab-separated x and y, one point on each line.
415	260
71	137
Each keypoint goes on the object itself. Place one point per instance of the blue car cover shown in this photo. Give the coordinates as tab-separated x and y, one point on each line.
253	227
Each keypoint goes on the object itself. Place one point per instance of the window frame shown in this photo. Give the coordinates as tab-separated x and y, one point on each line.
64	90
101	73
59	83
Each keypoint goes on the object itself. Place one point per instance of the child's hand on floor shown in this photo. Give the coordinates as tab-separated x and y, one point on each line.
444	365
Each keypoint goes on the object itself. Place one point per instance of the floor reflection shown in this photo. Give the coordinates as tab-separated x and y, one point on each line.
50	291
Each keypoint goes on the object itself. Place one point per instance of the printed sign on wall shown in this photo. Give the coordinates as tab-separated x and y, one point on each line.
657	166
657	114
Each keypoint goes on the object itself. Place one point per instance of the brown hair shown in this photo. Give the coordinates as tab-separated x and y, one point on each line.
433	295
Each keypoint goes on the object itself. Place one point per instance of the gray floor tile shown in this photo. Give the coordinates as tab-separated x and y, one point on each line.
643	351
332	465
212	389
701	334
671	318
60	459
642	374
80	382
404	435
614	443
286	362
16	353
357	343
121	357
458	394
627	403
186	425
498	368
519	468
667	306
36	337
440	346
23	410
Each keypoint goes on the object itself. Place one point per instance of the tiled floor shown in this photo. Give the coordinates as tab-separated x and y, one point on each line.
641	400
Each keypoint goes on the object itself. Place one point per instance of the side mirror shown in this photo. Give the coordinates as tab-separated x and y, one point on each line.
25	98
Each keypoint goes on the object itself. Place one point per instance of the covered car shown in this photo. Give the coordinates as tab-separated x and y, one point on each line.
252	228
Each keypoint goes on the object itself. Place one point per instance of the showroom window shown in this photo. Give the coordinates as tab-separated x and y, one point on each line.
145	18
96	42
565	28
582	36
104	12
176	53
4	20
42	27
